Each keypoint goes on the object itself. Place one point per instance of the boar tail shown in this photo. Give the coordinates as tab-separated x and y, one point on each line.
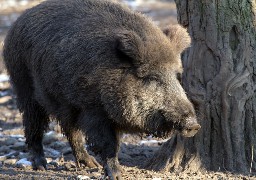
22	84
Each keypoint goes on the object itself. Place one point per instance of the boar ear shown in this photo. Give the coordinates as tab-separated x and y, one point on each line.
178	36
129	47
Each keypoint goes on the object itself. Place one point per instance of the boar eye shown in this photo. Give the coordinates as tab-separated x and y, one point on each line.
151	78
179	77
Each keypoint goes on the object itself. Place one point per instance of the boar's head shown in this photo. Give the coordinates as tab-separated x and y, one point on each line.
142	91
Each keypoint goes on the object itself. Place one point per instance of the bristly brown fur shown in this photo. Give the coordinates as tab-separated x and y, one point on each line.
179	36
98	68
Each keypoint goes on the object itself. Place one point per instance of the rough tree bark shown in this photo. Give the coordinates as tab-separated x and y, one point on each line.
220	79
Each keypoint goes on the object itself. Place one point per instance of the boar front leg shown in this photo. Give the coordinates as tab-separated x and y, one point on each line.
81	155
109	153
104	139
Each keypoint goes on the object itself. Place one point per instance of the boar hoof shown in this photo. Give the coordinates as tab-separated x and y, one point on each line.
113	172
39	163
88	161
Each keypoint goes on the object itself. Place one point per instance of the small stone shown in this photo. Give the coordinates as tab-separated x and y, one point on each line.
10	141
3	93
4	78
4	149
24	163
18	146
60	168
5	99
50	137
10	161
81	177
54	163
22	139
52	152
5	85
2	141
66	151
124	156
50	166
3	158
58	145
48	160
11	154
68	166
23	155
16	130
96	174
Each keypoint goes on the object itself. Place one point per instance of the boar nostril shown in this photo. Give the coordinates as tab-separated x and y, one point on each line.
190	130
161	112
194	127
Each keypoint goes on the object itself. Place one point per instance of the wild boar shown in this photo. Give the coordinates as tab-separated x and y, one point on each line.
100	69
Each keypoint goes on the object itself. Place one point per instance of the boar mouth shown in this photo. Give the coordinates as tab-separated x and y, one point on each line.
189	128
158	126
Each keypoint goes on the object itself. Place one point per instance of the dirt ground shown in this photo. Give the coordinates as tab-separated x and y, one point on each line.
135	150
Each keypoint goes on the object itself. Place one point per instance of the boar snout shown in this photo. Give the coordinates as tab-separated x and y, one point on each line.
190	127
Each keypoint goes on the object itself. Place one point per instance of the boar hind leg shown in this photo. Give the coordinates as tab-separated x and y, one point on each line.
35	119
75	138
36	122
103	139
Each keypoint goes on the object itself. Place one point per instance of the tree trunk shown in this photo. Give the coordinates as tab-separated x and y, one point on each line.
219	77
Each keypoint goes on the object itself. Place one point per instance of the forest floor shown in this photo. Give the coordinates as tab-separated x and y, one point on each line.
135	150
